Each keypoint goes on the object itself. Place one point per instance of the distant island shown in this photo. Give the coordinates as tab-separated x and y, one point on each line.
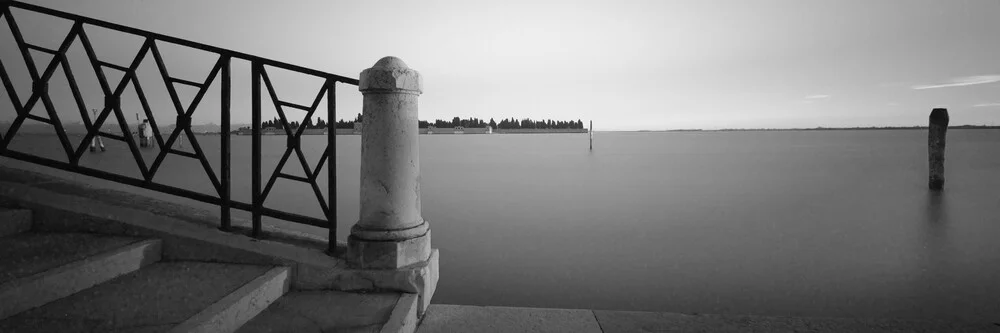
826	128
456	122
455	126
476	126
273	127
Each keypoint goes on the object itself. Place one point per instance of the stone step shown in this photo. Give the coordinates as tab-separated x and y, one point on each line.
325	311
162	297
14	221
37	268
242	305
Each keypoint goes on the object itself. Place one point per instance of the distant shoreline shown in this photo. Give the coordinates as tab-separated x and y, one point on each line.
816	129
33	130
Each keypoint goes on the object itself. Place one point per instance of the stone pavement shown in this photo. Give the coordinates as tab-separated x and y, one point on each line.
486	319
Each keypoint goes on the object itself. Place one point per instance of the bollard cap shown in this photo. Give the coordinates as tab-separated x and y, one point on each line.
939	116
390	74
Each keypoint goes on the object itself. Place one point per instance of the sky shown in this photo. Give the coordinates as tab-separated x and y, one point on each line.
626	65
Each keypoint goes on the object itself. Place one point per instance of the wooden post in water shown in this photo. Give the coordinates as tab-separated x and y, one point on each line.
138	127
937	130
591	135
97	138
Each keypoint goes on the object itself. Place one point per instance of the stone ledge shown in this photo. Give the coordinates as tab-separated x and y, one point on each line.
403	318
632	321
467	318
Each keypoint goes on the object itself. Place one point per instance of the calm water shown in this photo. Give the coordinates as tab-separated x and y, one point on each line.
833	223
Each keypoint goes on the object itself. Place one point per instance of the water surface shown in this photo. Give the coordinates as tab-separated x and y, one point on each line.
807	223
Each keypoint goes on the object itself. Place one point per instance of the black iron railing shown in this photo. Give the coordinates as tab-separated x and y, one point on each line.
112	107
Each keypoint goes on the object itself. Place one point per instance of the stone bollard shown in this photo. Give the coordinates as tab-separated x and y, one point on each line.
390	233
937	130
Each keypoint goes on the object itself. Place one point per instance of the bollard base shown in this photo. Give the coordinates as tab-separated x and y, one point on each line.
420	278
387	254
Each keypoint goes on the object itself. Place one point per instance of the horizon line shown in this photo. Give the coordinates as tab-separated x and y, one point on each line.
235	125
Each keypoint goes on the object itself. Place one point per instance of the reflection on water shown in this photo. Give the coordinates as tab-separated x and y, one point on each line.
936	225
933	279
826	223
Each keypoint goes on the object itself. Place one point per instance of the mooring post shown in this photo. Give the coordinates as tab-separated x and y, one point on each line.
937	131
591	134
390	232
97	138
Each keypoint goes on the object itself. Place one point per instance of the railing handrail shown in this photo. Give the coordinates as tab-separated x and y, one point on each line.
220	178
180	41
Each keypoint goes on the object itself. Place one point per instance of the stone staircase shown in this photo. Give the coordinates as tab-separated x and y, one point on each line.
71	281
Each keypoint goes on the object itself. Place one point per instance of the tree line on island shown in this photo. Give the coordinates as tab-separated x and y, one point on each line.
320	123
505	123
439	123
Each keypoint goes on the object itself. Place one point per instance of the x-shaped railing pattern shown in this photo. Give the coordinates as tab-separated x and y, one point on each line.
112	107
294	138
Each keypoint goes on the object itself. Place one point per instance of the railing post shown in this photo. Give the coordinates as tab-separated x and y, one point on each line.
936	131
257	205
226	192
390	232
331	165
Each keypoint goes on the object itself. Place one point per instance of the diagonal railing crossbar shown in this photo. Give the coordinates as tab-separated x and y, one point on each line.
184	118
219	72
39	86
112	104
294	138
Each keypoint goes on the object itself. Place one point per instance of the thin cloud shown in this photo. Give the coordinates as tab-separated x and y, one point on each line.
817	96
894	84
985	105
962	81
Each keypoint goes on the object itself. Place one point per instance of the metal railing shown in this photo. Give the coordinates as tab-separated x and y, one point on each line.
112	106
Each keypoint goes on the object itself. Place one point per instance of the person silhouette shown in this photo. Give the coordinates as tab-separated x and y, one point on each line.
146	133
140	133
